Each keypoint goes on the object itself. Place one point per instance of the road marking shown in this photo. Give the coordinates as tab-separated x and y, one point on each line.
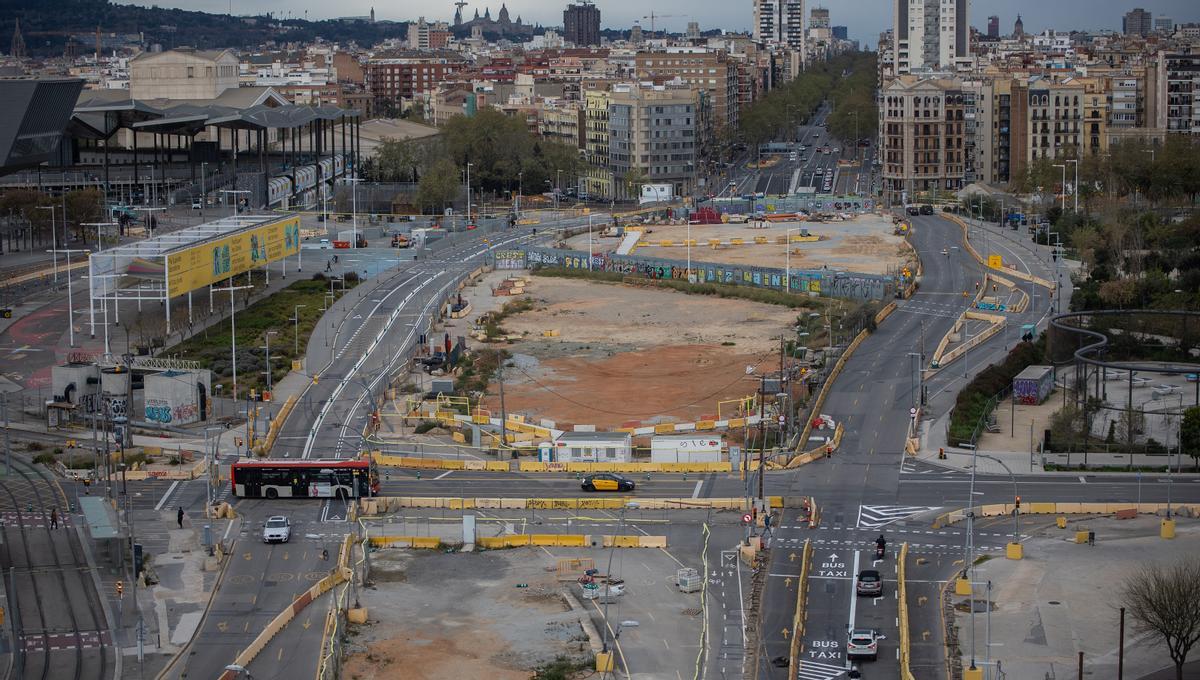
170	490
812	670
1082	480
447	472
875	516
853	601
696	491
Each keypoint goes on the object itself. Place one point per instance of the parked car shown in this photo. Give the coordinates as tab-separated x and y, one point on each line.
606	481
912	210
277	530
926	210
869	583
863	644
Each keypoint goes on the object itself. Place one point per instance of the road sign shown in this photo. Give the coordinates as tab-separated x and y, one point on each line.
995	261
746	518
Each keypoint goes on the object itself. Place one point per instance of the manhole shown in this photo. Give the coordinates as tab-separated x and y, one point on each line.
1054	602
690	612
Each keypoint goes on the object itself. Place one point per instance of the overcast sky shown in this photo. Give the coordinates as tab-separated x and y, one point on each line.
864	18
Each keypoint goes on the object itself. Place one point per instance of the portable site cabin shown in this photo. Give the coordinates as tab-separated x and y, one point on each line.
593	447
1033	385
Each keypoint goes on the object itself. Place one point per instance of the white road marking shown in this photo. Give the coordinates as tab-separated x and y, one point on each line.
447	472
165	496
696	491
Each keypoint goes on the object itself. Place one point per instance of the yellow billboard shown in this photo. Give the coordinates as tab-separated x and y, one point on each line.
207	263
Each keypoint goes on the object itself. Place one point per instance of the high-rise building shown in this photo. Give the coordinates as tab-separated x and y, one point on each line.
780	22
1136	22
841	33
704	69
1164	25
993	29
652	133
581	24
819	18
930	34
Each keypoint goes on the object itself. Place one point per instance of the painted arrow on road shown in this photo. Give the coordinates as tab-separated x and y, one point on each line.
813	670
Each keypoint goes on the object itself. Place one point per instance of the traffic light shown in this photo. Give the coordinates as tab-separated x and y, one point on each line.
1018	503
120	588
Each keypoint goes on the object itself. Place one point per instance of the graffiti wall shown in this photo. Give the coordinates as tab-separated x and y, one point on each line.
819	281
795	203
177	397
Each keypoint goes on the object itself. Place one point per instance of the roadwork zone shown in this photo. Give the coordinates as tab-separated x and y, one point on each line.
523	540
377	506
1000	509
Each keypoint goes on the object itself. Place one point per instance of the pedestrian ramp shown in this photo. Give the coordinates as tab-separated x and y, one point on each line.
629	242
814	670
875	516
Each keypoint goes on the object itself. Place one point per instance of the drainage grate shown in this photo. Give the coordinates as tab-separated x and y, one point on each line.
690	612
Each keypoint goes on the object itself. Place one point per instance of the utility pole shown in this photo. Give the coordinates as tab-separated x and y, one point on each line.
762	435
7	442
503	413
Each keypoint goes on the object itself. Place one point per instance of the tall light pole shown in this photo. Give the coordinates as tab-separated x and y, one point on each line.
1063	207
270	378
1075	189
203	193
469	192
233	334
98	226
354	209
53	237
70	300
590	252
296	320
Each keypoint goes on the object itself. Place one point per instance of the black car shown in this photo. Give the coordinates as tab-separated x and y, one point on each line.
913	210
606	481
926	210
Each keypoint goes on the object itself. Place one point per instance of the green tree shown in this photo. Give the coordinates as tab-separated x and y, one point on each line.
85	205
397	160
1189	434
438	187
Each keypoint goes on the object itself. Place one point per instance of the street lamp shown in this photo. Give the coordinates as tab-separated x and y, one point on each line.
608	583
1063	207
70	301
1075	189
353	208
53	237
270	381
296	320
469	192
233	334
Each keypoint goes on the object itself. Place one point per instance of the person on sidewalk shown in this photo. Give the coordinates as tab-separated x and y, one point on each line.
179	517
53	518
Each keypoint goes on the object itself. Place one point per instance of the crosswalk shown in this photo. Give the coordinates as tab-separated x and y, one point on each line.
814	670
875	516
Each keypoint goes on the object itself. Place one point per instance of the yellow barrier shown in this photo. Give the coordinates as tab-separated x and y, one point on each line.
902	596
384	504
631	468
799	617
1042	508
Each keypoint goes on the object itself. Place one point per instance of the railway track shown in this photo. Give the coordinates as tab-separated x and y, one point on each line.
61	630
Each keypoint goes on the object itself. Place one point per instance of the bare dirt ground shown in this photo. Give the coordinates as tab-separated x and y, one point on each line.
864	244
435	616
626	354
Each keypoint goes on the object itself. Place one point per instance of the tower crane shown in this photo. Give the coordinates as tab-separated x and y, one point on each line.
652	16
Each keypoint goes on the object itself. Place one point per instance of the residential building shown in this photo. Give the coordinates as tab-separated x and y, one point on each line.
652	134
930	35
993	27
565	123
581	24
1055	118
1137	22
182	74
779	22
1179	98
700	68
819	18
598	179
923	135
348	68
405	74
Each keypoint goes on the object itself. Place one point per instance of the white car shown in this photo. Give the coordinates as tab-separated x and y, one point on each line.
863	644
277	530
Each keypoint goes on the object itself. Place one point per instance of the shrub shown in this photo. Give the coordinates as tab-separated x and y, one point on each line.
424	426
972	401
44	458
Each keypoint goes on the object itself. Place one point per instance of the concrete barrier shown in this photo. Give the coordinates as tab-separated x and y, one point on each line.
1069	508
902	598
800	615
833	374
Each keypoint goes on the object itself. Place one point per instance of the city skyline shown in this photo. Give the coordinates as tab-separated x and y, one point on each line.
865	19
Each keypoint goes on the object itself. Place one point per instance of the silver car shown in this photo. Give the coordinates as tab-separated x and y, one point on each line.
277	530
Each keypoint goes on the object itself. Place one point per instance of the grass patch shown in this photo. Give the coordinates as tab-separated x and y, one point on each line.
561	668
972	402
274	313
475	374
44	458
492	320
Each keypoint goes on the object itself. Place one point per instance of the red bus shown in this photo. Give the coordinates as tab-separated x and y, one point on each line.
278	478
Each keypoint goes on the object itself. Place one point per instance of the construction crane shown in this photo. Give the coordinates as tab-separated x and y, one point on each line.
652	16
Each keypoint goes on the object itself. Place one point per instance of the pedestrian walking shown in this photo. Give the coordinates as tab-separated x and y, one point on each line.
53	518
179	516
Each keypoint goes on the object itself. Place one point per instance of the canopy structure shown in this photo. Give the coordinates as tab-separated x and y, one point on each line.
33	118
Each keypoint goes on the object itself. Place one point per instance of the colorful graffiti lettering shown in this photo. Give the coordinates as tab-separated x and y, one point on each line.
158	411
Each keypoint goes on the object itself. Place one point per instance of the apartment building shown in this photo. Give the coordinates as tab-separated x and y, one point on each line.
930	35
1055	118
565	123
1179	78
779	22
598	179
405	74
652	134
924	136
714	71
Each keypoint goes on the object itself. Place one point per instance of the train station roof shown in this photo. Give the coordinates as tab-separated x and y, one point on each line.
100	113
32	120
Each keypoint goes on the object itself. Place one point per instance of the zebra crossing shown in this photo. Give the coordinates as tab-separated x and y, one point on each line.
815	670
875	516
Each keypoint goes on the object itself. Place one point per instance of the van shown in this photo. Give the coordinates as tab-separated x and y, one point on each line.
792	157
